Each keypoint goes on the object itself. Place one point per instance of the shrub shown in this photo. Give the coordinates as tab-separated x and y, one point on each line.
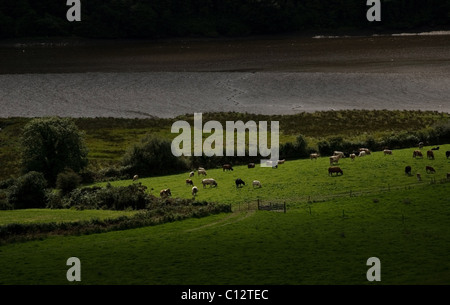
4	204
153	156
28	191
67	181
6	183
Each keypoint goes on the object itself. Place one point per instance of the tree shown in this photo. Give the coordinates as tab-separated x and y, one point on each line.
152	156
50	145
28	191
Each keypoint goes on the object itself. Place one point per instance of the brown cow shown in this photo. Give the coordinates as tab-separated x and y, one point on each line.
135	177
417	154
251	165
335	169
430	170
227	167
189	182
165	193
430	155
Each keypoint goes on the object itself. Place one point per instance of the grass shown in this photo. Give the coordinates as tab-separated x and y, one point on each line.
332	226
29	216
306	180
411	239
108	138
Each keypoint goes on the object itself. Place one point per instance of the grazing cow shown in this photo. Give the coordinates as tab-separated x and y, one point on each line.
239	182
335	169
135	177
227	167
256	183
417	154
352	156
191	174
430	155
281	161
419	177
314	156
387	152
251	165
435	148
334	160
211	182
430	170
201	172
362	153
194	191
408	170
165	193
339	153
447	154
366	150
189	182
421	145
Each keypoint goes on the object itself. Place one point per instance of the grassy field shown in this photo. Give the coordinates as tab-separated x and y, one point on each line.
325	237
305	180
64	215
410	237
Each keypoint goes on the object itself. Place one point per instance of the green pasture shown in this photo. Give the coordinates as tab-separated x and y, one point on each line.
306	180
320	243
57	215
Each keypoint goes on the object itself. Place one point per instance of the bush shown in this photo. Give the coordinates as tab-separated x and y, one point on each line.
153	156
6	183
4	204
28	191
133	196
67	181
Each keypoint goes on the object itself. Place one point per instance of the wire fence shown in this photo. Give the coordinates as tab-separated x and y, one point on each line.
283	204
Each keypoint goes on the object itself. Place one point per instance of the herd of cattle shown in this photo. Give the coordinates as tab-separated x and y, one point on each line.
333	169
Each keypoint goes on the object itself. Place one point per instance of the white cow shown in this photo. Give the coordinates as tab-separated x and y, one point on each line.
210	181
256	183
194	191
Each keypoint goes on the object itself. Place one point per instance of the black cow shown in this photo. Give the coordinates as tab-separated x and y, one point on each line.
447	154
239	182
408	170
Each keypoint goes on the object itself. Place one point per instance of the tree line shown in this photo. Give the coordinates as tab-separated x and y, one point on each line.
152	19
